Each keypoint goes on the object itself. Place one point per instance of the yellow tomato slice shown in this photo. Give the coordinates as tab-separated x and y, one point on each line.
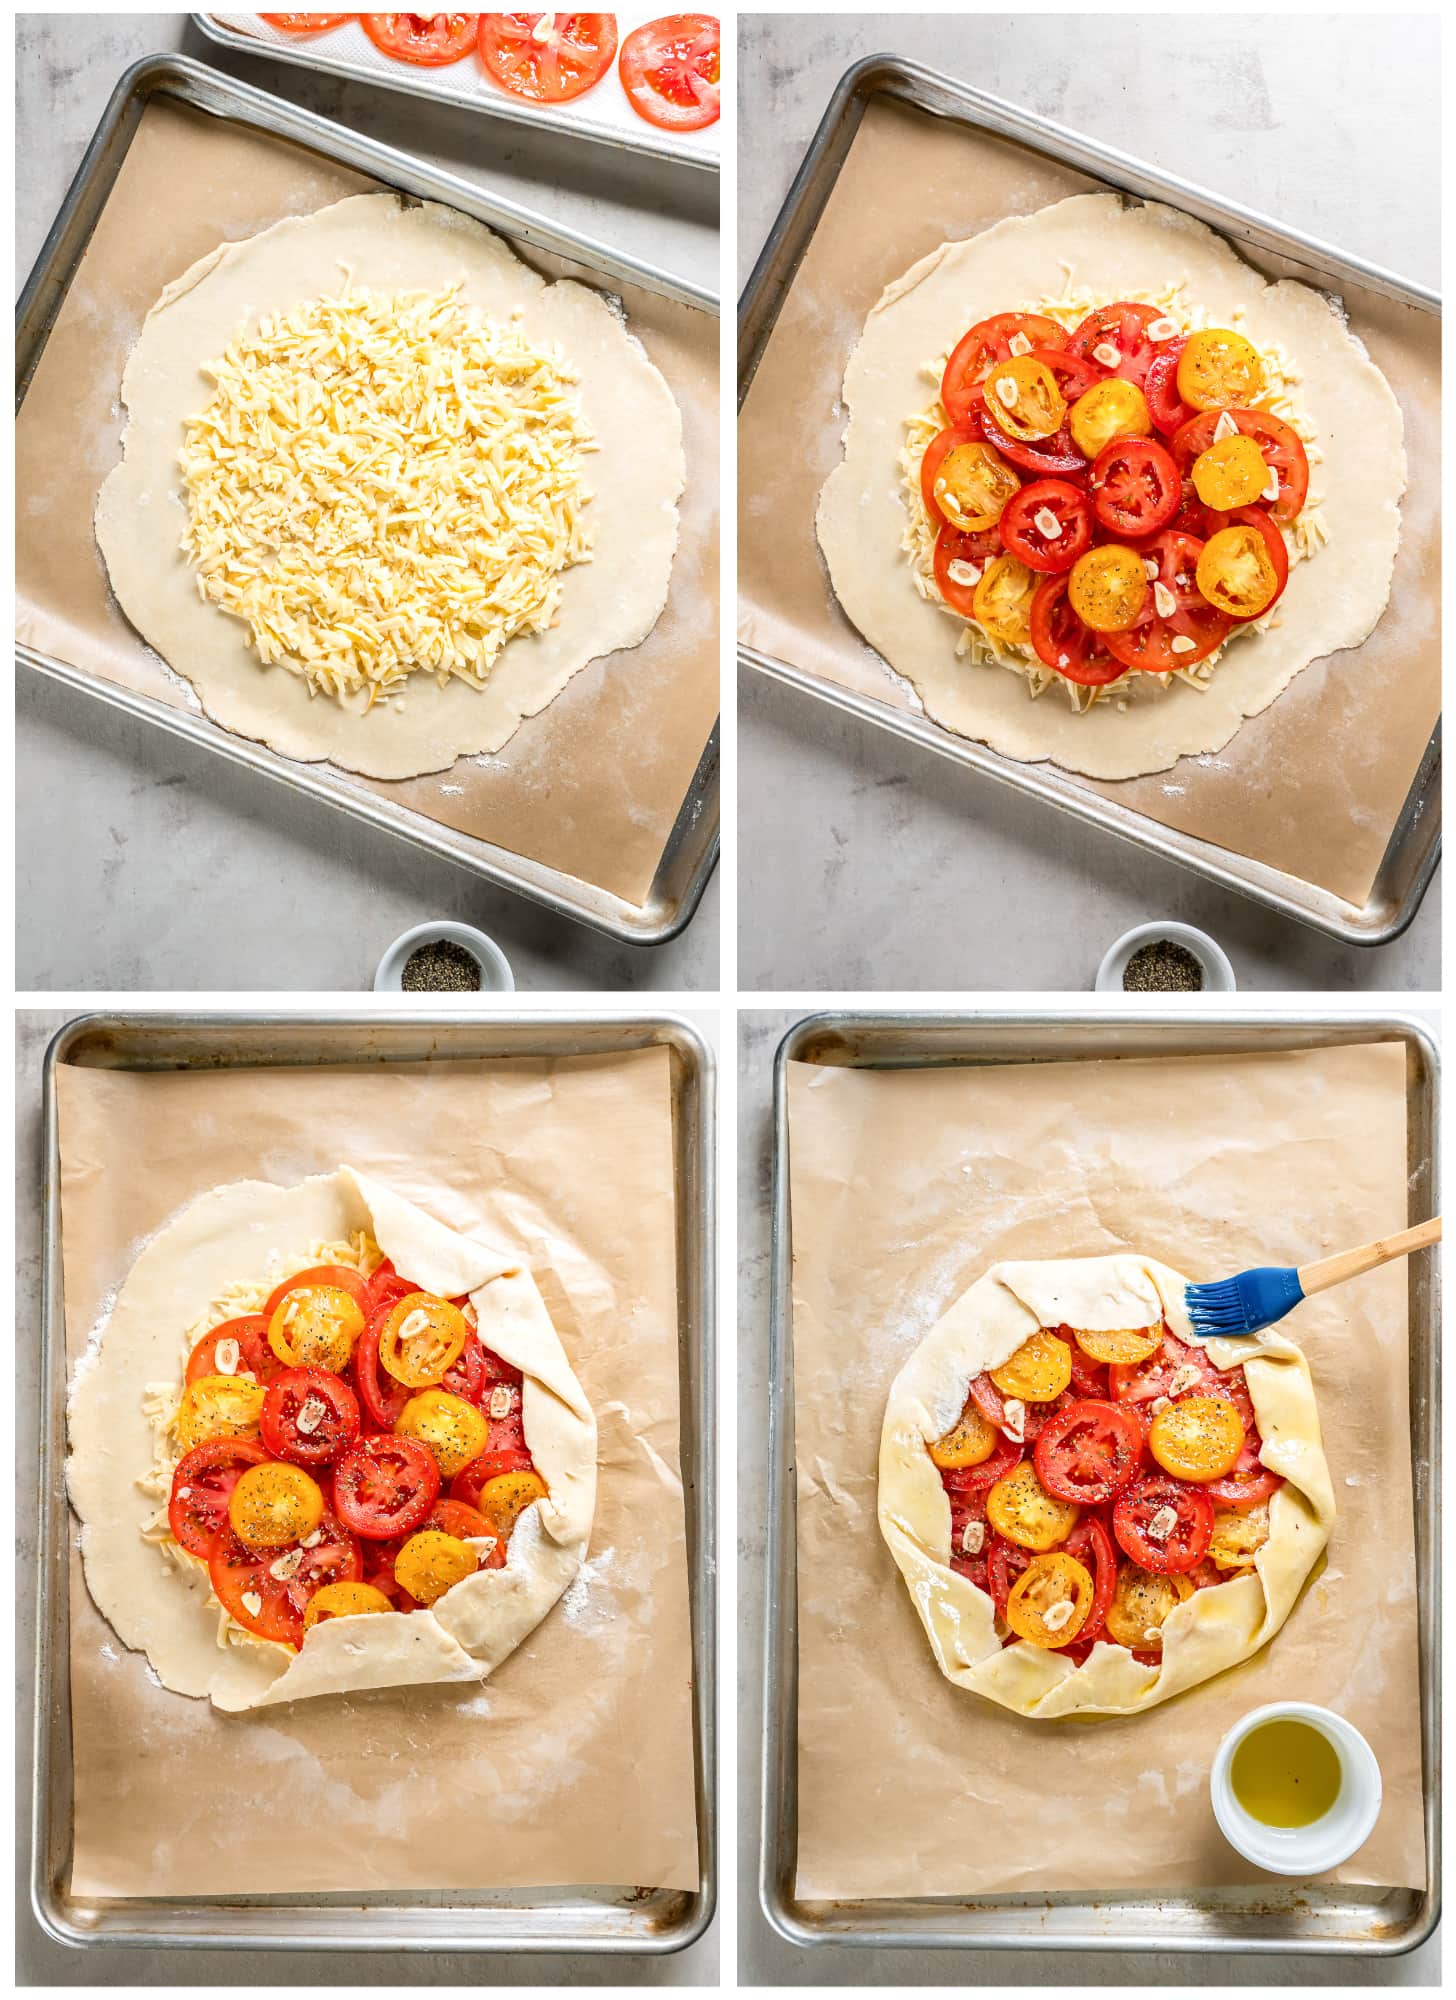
1022	395
447	1425
1231	473
1108	587
969	1441
343	1600
506	1497
1198	1438
1234	572
1038	1371
272	1506
422	1339
432	1562
1002	603
1140	1606
219	1406
1238	1534
1122	1345
973	486
1020	1508
1219	370
316	1327
1109	410
1049	1602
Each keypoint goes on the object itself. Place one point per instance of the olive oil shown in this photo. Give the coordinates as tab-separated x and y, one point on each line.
1285	1773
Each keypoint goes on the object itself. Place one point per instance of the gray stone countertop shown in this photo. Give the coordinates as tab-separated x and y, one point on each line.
144	863
907	871
764	1958
41	1962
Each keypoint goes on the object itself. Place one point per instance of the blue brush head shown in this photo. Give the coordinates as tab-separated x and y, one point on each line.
1245	1304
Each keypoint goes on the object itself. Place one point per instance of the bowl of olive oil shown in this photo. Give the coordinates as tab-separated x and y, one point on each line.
1296	1789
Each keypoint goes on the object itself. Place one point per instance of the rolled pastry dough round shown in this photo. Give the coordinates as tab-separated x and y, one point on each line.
1116	246
607	604
155	1608
1213	1629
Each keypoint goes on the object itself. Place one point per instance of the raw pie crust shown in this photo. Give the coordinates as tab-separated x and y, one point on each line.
379	244
157	1609
1215	1628
1118	246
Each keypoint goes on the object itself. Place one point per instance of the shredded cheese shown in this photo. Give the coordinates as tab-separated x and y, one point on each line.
386	484
1304	537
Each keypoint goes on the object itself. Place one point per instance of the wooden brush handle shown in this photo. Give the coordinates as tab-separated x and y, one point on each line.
1350	1263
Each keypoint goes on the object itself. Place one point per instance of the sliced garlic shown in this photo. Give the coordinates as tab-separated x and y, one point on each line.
286	1565
252	1603
1047	521
1107	354
1008	392
502	1400
1164	602
1181	645
1058	1615
1162	1524
1019	344
1187	1377
1150	569
312	1541
1015	1426
973	1538
963	573
1271	491
1225	427
312	1414
1162	329
226	1356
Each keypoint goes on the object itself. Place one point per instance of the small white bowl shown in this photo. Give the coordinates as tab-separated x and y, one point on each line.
1339	1833
1218	974
495	971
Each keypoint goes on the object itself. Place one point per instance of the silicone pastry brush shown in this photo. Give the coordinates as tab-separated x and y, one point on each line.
1256	1299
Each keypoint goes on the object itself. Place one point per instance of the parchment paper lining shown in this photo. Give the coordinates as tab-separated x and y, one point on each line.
905	1185
573	1764
1314	785
593	784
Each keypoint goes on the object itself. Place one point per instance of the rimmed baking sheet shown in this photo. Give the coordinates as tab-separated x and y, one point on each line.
604	806
950	1109
501	1103
1325	806
603	114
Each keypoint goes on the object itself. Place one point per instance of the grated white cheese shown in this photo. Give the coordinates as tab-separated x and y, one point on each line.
385	484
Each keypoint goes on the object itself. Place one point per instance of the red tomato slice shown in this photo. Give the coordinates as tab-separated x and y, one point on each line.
201	1485
430	39
1123	326
467	1374
671	71
1057	457
256	1357
385	1580
1136	487
387	1288
382	1397
548	58
1148	645
955	545
1145	1381
1007	1561
1089	1378
1165	406
1088	1451
1074	376
238	1572
1027	540
455	1517
979	351
979	1479
992	1405
305	24
1090	1538
498	1371
335	1431
466	1485
1262	519
1062	642
1185	1543
1281	445
965	1508
1249	1480
386	1486
337	1275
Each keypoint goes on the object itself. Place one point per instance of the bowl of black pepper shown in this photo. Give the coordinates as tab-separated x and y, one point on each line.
1165	958
453	960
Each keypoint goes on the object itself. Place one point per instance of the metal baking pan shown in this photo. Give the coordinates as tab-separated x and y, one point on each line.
691	852
603	114
1300	1918
1414	849
629	1918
